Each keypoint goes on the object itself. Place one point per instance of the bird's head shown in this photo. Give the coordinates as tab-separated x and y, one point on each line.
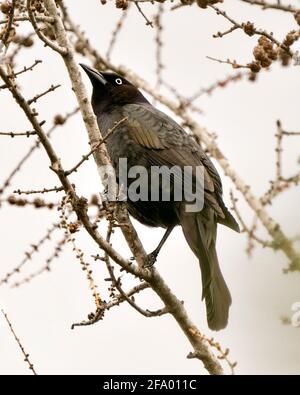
111	89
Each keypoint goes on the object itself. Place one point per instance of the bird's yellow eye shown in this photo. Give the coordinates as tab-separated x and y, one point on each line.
119	81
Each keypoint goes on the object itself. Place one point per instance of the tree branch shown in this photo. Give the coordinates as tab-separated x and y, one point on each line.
25	354
9	23
48	43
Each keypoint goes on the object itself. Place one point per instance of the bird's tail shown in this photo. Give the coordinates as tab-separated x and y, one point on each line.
200	232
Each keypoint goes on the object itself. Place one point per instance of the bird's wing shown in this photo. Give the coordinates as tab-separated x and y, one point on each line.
168	144
144	135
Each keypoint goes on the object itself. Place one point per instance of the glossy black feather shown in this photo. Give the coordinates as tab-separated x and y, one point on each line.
148	138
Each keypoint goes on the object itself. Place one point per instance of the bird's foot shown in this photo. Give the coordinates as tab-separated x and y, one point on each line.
151	259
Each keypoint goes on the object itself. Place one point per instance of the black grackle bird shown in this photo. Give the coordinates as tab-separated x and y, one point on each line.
148	138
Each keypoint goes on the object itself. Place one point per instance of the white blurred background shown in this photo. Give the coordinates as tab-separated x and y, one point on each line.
244	117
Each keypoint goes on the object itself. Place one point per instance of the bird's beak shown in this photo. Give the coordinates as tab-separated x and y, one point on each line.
93	74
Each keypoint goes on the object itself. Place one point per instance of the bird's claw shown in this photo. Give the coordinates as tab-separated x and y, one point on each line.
150	260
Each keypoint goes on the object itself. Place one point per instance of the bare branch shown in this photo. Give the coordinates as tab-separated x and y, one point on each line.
9	23
46	268
116	33
37	97
48	43
93	318
259	32
249	231
59	120
223	354
25	354
148	22
271	6
38	18
117	284
24	70
218	84
21	202
44	190
28	254
70	230
278	152
222	34
93	150
14	134
233	63
159	45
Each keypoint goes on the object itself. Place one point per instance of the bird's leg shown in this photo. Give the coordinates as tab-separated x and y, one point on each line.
151	258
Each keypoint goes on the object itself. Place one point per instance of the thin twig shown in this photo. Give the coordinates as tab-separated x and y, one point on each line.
223	354
290	133
70	230
44	190
159	45
25	354
24	70
9	23
222	34
233	63
93	318
117	284
59	120
245	228
61	50
94	149
259	32
148	22
38	18
116	32
15	134
184	102
37	203
28	254
218	84
46	268
278	151
37	97
271	6
280	183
